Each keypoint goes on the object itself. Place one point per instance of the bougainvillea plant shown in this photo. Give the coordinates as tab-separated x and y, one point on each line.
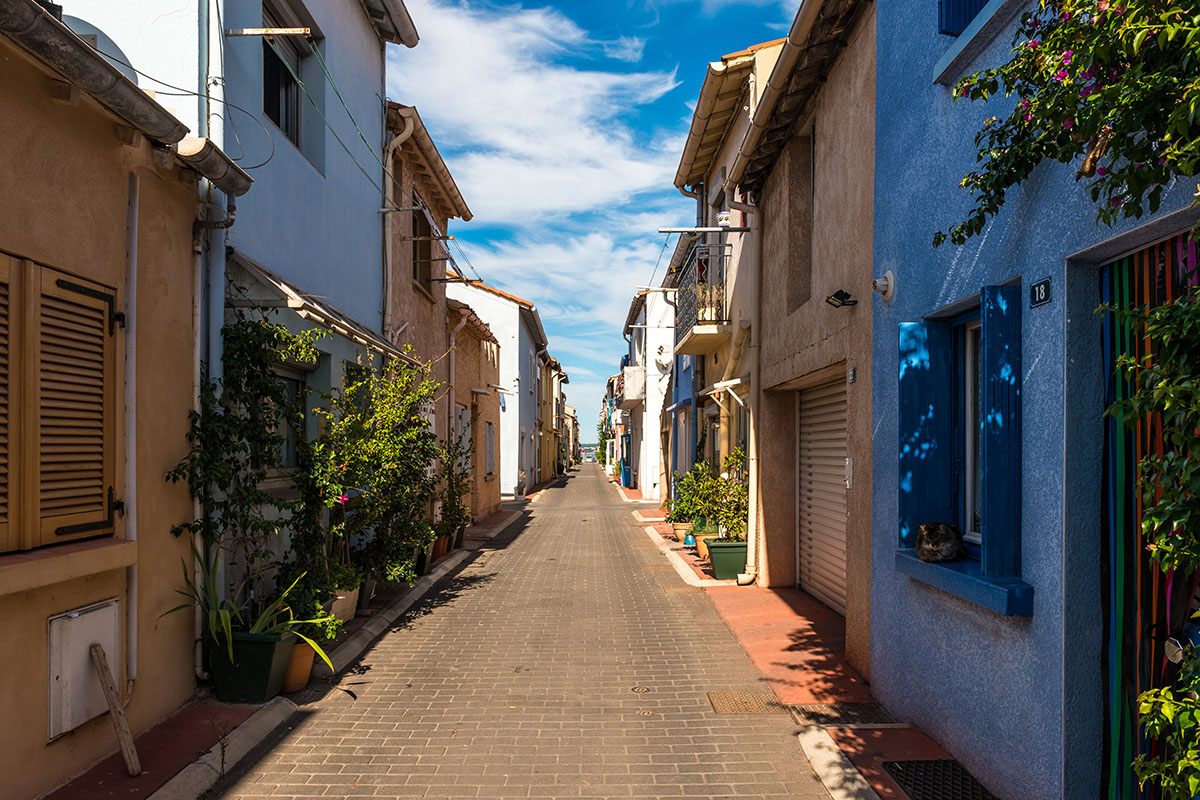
1110	85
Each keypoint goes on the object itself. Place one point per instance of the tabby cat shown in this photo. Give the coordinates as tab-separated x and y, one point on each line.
939	541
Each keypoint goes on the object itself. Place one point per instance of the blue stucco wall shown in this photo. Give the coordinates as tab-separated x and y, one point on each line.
1017	700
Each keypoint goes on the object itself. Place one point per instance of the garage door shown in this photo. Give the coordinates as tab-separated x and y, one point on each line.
822	494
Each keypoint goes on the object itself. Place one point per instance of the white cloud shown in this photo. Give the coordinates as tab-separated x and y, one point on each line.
527	137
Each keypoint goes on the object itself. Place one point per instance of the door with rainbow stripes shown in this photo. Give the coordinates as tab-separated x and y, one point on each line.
1143	606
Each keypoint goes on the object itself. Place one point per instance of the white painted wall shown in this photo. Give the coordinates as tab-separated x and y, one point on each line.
660	333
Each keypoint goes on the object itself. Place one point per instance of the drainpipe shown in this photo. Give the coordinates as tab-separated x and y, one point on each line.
197	363
131	497
450	431
389	155
753	529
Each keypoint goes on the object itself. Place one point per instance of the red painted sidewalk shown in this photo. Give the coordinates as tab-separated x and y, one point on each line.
799	646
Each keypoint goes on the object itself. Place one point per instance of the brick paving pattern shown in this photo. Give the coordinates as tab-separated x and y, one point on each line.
517	679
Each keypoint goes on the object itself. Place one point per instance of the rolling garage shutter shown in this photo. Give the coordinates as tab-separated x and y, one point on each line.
822	493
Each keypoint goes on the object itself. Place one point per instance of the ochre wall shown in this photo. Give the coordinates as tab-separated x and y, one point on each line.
65	178
817	342
476	365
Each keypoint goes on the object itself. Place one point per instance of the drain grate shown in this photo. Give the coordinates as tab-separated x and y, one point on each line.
838	715
683	589
746	703
657	566
943	779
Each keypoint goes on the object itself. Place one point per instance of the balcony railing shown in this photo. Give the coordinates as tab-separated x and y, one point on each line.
701	298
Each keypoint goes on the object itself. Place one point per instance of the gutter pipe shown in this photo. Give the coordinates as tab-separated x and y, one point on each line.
131	473
753	529
403	22
389	155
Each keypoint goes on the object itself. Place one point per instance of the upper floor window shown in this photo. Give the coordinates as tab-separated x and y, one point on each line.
281	92
422	248
955	15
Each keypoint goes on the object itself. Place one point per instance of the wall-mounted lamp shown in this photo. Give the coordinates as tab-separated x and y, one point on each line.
886	285
841	298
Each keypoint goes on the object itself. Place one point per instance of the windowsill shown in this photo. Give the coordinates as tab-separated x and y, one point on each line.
975	39
1009	596
35	569
427	293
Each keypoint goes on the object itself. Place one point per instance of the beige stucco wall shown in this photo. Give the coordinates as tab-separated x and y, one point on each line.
476	366
65	179
817	342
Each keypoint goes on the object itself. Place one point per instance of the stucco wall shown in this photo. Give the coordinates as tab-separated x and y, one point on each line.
816	342
476	366
314	218
1017	700
68	179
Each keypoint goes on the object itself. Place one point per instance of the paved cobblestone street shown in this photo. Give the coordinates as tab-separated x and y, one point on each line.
518	678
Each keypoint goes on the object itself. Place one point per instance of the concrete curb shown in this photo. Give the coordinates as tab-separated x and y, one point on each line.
512	517
841	778
199	776
640	517
685	571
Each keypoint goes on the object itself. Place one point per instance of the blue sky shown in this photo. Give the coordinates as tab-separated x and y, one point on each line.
563	124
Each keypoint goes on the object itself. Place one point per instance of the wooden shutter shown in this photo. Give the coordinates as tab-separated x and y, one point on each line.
926	396
955	15
822	493
74	344
8	532
1000	425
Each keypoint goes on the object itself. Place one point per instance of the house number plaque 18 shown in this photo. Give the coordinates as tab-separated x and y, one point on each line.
1039	293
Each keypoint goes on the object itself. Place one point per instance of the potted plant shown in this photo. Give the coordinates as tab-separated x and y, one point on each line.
345	580
248	653
728	552
324	627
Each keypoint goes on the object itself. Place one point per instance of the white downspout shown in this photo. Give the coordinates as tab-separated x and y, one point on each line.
450	428
753	529
389	188
197	362
131	497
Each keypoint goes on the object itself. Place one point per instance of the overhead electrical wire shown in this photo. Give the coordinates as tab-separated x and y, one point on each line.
660	255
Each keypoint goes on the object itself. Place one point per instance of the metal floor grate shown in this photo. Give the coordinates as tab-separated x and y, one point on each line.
683	589
746	703
657	566
942	779
643	544
837	715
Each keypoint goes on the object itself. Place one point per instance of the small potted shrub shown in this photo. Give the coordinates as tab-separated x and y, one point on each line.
728	552
345	580
324	627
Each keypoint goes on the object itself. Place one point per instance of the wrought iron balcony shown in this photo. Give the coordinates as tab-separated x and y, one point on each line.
702	307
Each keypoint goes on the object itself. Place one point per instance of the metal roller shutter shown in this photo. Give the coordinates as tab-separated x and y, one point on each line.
822	493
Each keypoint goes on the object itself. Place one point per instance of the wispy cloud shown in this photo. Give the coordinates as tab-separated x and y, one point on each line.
527	136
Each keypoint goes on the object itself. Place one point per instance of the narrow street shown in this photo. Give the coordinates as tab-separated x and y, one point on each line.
553	665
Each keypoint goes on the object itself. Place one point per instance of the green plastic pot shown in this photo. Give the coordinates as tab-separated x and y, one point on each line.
421	560
259	663
728	558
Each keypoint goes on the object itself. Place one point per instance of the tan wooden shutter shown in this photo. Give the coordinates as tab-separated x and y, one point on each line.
8	532
75	347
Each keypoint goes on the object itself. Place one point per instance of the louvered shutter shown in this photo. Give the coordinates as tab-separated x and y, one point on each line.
1000	424
8	533
955	15
822	493
74	344
927	477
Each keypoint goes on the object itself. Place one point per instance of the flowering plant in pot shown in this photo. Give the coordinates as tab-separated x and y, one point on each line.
728	552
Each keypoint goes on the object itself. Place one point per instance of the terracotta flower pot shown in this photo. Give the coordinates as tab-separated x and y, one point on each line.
702	541
681	529
345	604
299	668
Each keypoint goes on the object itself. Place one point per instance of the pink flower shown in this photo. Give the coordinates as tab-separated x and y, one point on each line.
1033	44
344	499
1060	76
1066	57
1069	123
1066	15
1025	102
1101	171
1115	202
1029	117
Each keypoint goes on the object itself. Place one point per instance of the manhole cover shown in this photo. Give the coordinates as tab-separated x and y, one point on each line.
836	715
746	703
942	779
683	589
657	566
640	689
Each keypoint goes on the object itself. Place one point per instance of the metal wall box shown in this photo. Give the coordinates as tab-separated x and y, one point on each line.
75	692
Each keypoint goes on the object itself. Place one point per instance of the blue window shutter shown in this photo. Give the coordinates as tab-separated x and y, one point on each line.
926	479
1000	423
955	15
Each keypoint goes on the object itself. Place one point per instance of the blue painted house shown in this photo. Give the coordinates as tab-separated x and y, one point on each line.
991	373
